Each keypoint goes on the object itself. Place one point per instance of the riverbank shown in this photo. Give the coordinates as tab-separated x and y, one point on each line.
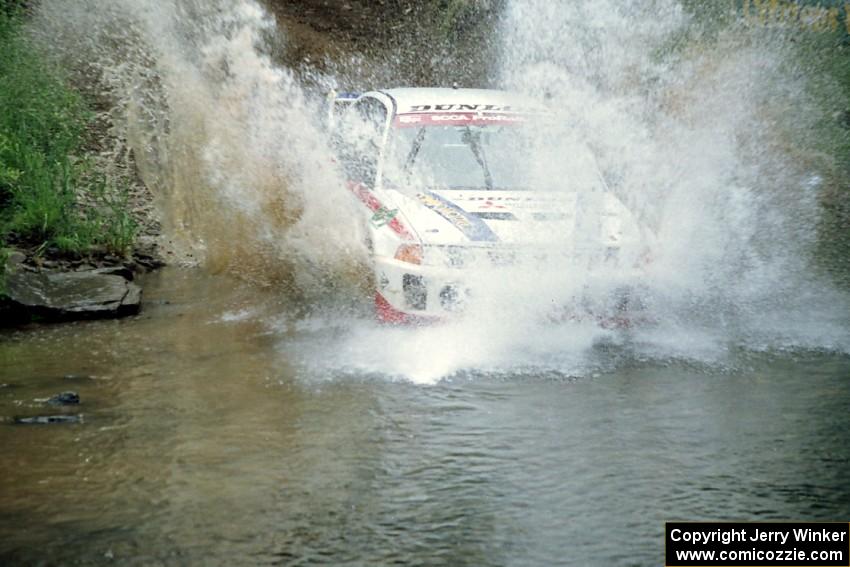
68	205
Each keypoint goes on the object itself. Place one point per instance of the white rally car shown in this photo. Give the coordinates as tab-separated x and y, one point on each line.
447	188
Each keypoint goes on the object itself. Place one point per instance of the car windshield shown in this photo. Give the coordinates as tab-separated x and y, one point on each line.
459	156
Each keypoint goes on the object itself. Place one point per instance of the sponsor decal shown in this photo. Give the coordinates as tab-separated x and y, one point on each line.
368	198
488	215
383	216
457	119
489	204
492	199
472	227
464	107
450	117
512	202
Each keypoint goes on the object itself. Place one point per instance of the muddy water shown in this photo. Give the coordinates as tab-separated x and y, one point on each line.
207	439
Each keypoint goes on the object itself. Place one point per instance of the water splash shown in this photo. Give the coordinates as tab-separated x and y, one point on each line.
691	130
228	140
694	136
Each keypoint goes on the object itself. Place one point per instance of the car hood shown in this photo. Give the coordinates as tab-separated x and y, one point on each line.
460	216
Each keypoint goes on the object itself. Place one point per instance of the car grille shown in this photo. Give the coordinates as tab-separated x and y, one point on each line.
468	256
481	256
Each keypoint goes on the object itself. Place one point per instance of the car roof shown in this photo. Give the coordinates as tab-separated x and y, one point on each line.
417	99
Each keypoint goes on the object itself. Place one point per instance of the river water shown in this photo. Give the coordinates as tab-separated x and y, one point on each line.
209	436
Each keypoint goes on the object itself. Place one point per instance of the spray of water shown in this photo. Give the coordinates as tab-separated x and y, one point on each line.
694	135
227	140
691	134
693	138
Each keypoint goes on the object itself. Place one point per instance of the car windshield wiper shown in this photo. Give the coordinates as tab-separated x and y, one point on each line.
414	151
469	139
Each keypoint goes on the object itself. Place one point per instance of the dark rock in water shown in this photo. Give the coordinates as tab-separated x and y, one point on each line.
48	419
71	295
64	399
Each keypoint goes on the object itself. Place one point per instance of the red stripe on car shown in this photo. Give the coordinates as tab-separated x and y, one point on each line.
387	314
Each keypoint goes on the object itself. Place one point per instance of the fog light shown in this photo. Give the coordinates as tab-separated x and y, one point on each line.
415	292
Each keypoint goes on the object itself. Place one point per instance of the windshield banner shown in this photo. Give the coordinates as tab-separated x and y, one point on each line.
456	119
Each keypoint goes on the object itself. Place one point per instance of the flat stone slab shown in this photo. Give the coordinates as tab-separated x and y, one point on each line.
90	294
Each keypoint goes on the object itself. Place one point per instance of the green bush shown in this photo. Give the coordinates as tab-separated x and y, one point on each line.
42	129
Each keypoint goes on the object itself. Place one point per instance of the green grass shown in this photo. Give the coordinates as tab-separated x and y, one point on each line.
43	170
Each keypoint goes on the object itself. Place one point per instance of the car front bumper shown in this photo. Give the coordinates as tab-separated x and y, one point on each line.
417	294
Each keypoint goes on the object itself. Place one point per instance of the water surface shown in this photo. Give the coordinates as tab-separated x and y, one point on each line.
208	436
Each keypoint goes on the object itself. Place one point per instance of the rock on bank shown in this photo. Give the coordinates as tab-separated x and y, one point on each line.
61	296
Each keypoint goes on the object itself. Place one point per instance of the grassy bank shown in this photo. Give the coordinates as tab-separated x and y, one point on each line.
53	200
